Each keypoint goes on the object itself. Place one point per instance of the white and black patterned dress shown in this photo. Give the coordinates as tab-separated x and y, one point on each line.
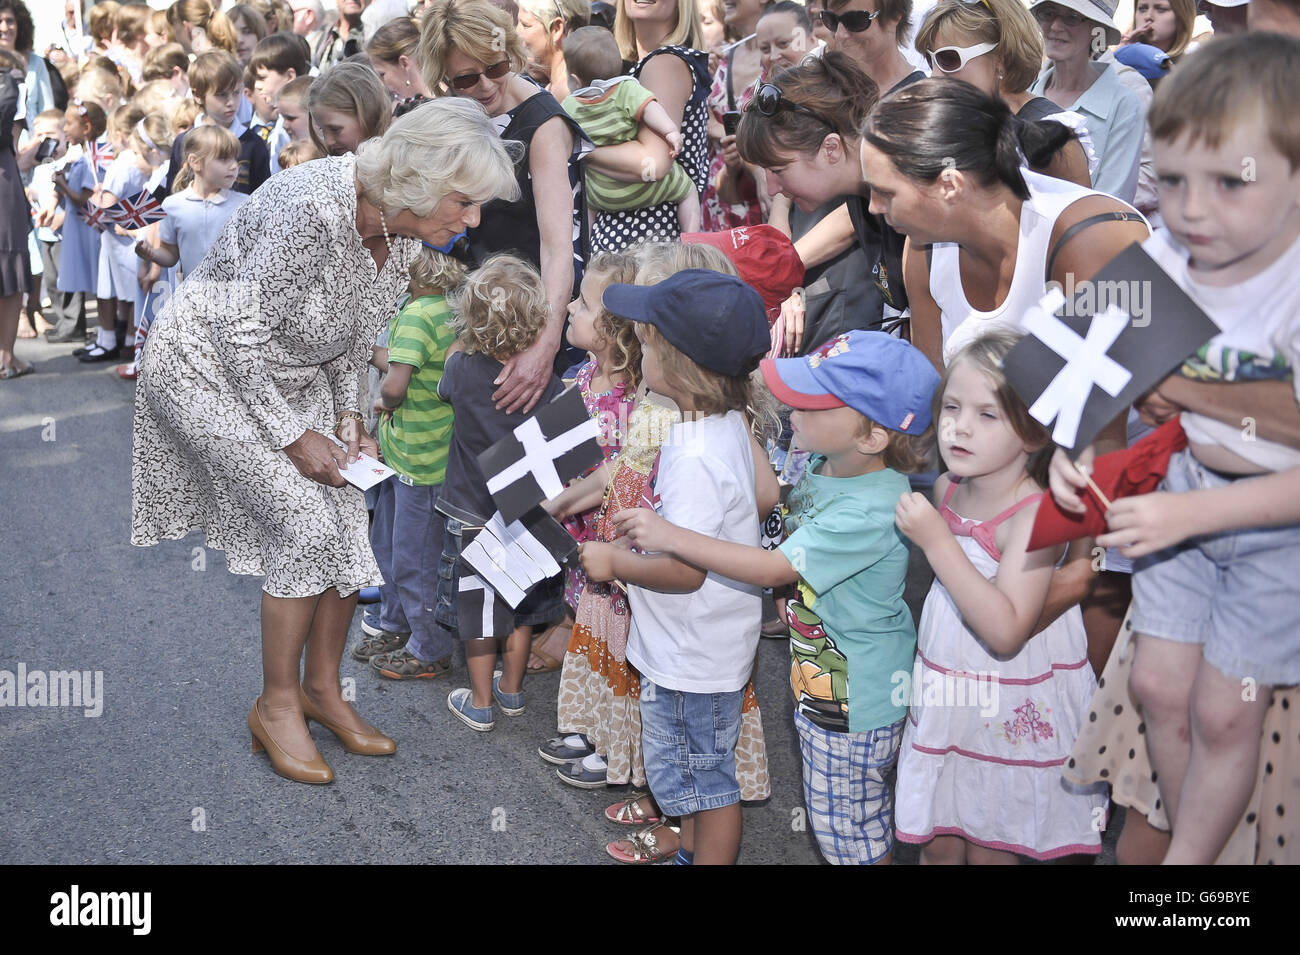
617	230
266	339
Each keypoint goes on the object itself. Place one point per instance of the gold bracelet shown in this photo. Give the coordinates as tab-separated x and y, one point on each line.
354	415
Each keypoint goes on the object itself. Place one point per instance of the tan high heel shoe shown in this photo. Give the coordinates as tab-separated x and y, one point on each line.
302	771
359	743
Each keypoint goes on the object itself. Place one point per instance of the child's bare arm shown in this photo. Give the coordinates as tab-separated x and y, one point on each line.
392	390
767	489
1002	612
1150	522
1269	405
660	572
657	118
379	358
750	565
582	495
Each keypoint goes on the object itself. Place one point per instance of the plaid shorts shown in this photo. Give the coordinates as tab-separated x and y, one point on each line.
850	806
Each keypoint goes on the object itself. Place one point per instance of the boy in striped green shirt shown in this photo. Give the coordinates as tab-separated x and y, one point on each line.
414	436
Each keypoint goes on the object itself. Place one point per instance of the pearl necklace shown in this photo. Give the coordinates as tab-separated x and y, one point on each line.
383	224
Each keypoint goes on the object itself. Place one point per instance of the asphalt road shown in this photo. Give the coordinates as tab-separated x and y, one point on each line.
164	774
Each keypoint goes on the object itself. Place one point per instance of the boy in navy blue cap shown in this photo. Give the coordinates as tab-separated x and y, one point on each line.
694	634
862	407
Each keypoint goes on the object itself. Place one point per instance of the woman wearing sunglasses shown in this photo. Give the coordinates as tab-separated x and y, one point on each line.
802	130
996	46
872	33
1075	33
470	48
664	38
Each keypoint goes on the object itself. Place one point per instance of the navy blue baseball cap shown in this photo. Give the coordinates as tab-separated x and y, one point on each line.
882	377
714	319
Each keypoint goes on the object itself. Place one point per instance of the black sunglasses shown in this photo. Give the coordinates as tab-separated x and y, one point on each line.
469	80
855	21
768	101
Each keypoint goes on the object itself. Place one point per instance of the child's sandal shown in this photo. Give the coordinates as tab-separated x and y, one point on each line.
629	812
645	847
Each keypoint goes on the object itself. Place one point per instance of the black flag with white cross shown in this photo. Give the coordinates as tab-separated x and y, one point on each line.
513	558
479	611
534	462
1091	350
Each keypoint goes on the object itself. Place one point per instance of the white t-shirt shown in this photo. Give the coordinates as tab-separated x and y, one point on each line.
1260	340
705	641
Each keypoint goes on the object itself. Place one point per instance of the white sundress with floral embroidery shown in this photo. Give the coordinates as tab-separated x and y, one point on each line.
992	774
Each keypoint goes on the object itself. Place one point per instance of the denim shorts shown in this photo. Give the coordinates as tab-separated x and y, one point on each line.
543	605
1233	592
689	743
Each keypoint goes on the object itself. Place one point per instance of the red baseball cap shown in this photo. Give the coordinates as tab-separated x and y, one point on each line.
763	255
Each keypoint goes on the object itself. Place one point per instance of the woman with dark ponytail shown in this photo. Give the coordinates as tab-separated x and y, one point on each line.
946	167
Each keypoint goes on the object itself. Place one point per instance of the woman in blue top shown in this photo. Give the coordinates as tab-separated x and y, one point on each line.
681	81
471	48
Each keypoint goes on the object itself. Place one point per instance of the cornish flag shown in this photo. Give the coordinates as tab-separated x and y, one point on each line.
1085	359
136	212
513	558
479	611
534	462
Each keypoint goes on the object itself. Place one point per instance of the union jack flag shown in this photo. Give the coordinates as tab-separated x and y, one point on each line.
100	155
93	216
137	211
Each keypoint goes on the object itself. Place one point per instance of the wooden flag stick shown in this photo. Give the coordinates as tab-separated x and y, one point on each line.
1105	504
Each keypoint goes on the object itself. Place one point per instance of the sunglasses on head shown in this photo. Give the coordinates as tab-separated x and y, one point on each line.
467	81
855	21
768	101
950	59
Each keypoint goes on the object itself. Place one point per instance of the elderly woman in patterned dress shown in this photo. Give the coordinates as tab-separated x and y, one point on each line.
259	357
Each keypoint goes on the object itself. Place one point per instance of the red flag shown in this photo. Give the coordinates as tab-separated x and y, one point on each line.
1128	473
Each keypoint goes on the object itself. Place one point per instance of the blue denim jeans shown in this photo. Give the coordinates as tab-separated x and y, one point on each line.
689	744
406	536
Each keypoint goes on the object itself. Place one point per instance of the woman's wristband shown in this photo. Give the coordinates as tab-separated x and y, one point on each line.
349	415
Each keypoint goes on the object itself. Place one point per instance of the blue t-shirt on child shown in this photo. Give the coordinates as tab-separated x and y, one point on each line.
854	635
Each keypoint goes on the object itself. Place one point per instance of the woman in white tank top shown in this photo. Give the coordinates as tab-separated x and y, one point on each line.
945	163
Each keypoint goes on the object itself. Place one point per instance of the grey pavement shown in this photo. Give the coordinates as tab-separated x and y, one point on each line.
165	773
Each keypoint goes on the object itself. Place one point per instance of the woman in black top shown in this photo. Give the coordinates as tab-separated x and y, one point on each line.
15	262
470	48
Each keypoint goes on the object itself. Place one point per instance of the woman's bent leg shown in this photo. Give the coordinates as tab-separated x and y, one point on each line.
286	622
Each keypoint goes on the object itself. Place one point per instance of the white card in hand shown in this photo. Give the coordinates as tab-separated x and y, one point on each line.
365	472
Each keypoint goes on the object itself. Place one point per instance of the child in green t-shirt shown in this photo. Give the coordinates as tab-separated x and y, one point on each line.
414	435
862	407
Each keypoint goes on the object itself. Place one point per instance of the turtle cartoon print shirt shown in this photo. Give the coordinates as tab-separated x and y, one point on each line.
851	634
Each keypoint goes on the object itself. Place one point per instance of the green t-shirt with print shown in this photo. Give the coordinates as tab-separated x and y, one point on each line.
415	438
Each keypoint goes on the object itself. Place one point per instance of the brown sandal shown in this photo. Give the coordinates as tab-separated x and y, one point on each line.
549	663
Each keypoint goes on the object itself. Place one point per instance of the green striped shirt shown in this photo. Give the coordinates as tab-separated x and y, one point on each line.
415	438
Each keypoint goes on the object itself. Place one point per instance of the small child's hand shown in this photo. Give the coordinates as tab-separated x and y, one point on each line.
1154	409
1147	523
1067	481
144	250
597	560
675	142
917	518
644	529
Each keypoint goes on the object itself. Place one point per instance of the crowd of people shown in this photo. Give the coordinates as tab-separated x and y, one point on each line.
782	251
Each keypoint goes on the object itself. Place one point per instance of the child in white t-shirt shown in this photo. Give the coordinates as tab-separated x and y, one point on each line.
694	634
1214	604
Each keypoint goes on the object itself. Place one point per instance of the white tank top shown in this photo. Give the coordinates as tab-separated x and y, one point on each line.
959	322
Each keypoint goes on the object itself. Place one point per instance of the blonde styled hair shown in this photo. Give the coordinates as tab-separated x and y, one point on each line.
157	96
986	354
131	23
101	20
100	87
1184	23
474	28
574	13
617	268
712	391
436	270
203	144
202	14
355	89
298	152
156	126
501	308
184	115
688	32
395	38
445	146
1006	23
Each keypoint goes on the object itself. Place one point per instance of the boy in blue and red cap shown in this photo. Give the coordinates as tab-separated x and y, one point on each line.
862	408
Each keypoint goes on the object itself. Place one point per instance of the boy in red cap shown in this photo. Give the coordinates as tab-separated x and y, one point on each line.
862	406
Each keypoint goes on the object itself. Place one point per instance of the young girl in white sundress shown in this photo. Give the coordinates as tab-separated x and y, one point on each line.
994	713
